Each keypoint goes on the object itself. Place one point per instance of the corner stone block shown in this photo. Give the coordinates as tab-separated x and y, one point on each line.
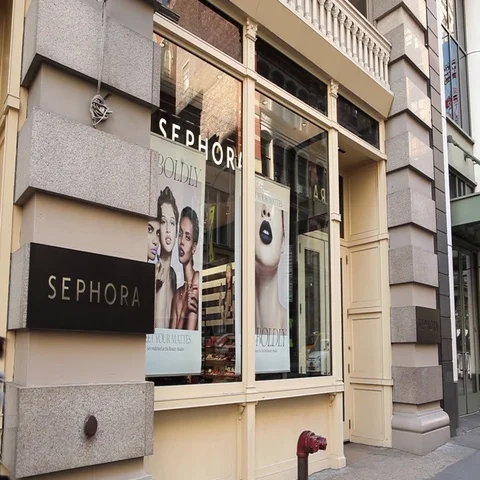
416	7
408	40
68	33
19	274
413	265
403	324
408	206
417	385
408	96
44	426
406	150
66	158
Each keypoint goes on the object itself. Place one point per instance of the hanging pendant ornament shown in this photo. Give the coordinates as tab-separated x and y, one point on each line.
99	110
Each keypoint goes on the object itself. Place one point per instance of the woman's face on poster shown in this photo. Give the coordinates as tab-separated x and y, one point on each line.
168	228
228	274
269	235
153	241
186	245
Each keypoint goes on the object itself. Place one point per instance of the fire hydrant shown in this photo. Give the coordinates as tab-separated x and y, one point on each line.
308	443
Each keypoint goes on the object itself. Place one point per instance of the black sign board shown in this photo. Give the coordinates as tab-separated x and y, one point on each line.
428	325
72	290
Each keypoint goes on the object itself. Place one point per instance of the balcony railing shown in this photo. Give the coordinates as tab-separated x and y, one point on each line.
346	28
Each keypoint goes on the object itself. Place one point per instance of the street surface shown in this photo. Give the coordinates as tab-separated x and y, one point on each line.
459	459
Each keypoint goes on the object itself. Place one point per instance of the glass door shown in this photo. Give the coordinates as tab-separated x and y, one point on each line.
466	323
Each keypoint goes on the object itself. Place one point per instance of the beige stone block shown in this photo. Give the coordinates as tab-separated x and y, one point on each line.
413	265
416	8
407	150
65	223
408	206
408	96
420	443
63	358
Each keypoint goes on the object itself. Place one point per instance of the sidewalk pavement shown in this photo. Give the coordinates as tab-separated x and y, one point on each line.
458	459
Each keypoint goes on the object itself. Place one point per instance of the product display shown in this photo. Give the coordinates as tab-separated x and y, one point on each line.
219	360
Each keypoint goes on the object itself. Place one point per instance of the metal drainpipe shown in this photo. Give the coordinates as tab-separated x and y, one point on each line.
308	443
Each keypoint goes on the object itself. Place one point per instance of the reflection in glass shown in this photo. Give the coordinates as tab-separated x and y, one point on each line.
466	324
285	73
447	74
206	22
291	152
200	108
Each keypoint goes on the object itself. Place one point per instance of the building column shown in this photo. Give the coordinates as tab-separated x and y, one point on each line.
78	406
419	424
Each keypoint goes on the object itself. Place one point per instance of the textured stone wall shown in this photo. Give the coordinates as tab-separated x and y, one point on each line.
416	216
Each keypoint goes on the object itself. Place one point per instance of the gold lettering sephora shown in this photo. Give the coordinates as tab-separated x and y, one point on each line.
96	292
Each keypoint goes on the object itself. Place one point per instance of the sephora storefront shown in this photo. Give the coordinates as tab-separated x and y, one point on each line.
204	275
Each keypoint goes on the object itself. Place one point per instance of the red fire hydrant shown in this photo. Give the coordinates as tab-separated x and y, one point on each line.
308	443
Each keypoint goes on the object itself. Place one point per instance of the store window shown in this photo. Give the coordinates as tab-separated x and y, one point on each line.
292	275
206	22
285	73
455	63
195	237
361	6
357	121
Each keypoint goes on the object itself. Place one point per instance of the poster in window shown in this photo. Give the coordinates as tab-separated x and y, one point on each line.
175	246
272	342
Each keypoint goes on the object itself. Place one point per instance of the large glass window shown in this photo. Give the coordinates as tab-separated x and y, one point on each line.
455	63
292	278
357	121
206	22
195	237
284	72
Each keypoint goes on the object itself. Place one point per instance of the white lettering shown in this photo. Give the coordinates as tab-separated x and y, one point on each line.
230	158
65	288
136	298
175	129
124	295
51	278
161	123
218	147
203	147
80	290
92	291
190	140
111	286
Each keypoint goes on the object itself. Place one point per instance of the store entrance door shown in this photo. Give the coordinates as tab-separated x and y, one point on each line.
466	324
346	343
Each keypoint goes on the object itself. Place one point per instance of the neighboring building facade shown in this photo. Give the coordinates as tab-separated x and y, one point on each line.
460	47
296	275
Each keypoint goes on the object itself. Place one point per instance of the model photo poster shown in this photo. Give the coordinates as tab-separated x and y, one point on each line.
272	337
175	245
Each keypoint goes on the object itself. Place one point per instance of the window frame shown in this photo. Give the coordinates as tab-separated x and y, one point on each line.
249	389
459	45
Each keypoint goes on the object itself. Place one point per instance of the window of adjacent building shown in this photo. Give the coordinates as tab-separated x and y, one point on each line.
361	6
195	237
206	22
357	121
292	278
459	186
455	63
285	73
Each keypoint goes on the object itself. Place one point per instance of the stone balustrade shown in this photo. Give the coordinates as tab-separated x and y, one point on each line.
343	26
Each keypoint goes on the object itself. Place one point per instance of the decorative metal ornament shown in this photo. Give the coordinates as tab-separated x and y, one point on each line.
99	110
